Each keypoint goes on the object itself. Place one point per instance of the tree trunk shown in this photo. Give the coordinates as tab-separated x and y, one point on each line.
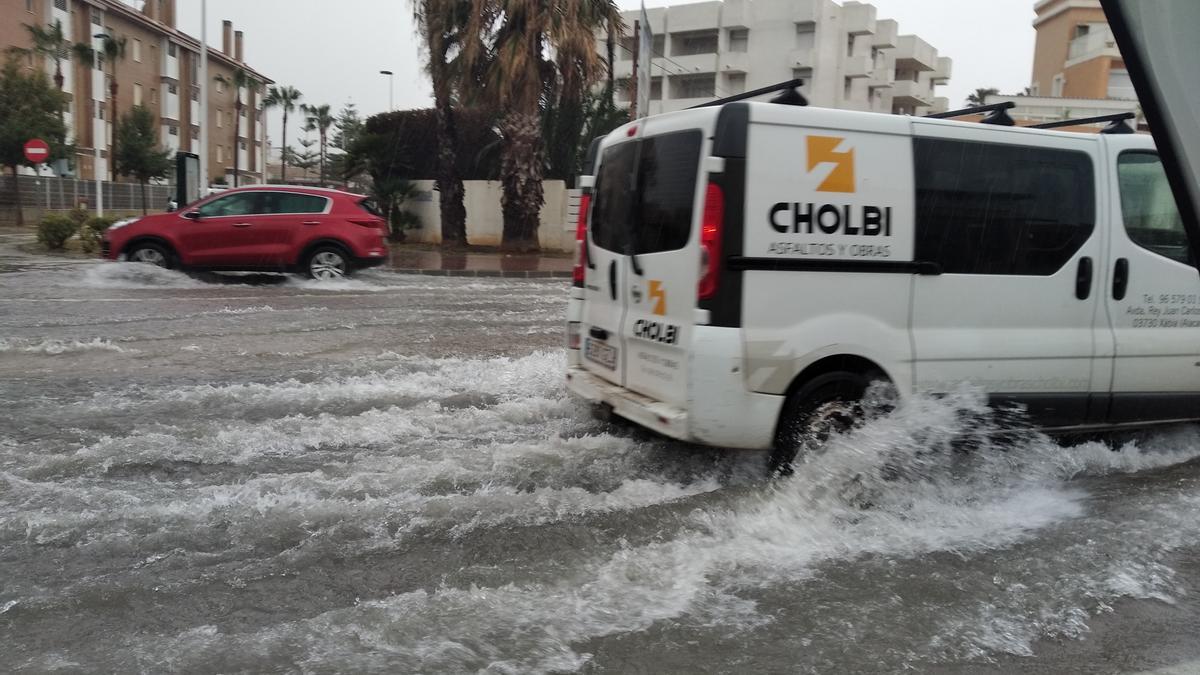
17	194
449	182
283	153
322	158
610	50
521	175
237	133
143	198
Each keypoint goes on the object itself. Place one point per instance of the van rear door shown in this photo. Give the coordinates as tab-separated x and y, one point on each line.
603	348
663	268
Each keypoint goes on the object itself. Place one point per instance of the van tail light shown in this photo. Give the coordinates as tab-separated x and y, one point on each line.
585	201
710	241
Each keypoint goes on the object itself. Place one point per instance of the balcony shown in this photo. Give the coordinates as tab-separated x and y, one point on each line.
802	58
858	19
886	32
684	65
908	93
859	65
942	74
881	78
913	53
1098	42
734	62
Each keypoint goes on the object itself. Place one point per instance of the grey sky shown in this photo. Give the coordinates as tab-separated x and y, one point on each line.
333	51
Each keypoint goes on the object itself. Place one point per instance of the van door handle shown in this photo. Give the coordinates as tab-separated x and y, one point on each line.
1083	278
612	279
1120	278
312	222
241	224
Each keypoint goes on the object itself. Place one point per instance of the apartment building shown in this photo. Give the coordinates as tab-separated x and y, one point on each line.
847	56
1075	55
160	70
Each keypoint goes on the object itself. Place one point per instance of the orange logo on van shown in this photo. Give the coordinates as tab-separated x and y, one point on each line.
659	297
823	150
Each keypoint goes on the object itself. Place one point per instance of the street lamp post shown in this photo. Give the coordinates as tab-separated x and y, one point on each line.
96	153
391	79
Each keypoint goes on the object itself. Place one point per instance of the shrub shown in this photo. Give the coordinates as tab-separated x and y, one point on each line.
54	231
78	216
90	232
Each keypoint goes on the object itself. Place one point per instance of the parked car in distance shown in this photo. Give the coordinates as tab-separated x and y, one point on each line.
322	233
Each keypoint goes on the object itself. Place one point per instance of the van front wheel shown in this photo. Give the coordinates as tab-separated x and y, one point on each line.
829	404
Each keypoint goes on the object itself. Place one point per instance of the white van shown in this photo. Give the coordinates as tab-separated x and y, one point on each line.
751	268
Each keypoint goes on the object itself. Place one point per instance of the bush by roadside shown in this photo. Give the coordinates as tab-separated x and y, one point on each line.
55	230
90	231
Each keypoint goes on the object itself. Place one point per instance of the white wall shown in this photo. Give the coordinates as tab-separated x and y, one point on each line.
485	222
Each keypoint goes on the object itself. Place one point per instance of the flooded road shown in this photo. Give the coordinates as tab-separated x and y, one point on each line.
258	474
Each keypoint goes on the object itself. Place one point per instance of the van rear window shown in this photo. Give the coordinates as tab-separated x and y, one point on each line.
655	205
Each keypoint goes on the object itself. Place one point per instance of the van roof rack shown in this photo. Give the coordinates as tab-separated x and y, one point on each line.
1116	122
790	95
996	113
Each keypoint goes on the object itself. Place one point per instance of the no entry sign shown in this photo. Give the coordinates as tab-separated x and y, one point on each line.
37	151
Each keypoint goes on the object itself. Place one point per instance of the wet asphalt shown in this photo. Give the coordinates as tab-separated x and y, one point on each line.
250	473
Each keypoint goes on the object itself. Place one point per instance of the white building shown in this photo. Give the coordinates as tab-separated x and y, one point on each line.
846	56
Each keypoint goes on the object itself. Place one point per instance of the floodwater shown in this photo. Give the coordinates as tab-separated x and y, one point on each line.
251	473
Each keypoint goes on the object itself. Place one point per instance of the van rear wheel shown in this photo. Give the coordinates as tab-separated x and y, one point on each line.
828	404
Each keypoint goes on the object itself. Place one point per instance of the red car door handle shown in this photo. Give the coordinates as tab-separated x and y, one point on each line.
312	222
241	224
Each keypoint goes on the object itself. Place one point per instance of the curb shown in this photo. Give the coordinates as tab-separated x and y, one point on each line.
501	274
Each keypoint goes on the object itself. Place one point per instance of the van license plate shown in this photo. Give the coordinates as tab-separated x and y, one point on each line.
600	353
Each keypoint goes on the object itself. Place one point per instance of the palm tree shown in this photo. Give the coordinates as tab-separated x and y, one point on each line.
52	43
513	70
440	23
240	80
285	98
979	96
113	50
319	119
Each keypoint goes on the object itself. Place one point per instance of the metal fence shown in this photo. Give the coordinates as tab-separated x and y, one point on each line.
51	193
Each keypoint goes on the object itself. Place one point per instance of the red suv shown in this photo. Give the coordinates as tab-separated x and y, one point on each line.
323	233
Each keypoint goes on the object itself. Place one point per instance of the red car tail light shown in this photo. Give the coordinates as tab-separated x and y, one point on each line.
585	201
710	241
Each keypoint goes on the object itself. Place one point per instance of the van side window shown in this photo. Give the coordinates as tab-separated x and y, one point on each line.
614	197
1148	206
667	190
985	208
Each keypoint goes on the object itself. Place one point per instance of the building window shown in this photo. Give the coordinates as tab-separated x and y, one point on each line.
1148	207
805	74
220	118
735	83
985	208
196	133
172	50
29	6
1056	87
137	50
243	113
847	88
1120	86
95	17
137	94
698	42
694	86
739	40
806	35
196	94
849	45
174	131
154	96
242	145
60	4
220	153
172	89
